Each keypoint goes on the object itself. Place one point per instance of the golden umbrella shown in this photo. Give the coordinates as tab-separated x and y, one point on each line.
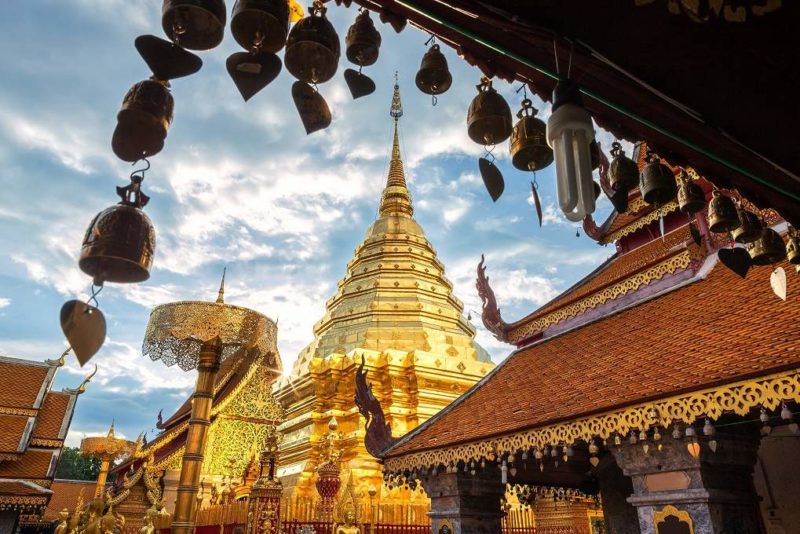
108	448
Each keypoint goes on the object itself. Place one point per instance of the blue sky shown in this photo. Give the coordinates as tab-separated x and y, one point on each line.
237	185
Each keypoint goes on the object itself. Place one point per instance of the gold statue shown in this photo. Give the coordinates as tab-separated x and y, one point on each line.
93	521
62	522
149	517
349	526
346	513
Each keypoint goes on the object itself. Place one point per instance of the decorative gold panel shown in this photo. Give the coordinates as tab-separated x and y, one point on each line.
660	518
641	222
738	398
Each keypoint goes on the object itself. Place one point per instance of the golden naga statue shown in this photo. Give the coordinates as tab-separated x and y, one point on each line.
62	527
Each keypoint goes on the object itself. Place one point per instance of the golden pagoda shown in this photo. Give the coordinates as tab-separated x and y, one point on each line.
395	309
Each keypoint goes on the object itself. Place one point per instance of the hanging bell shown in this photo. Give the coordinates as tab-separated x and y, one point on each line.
767	249
362	41
623	173
194	24
691	197
528	144
312	48
143	121
749	228
489	117
433	77
260	24
722	216
657	183
120	241
793	246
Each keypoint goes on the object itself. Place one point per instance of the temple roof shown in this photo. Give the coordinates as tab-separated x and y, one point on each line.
23	383
634	355
66	494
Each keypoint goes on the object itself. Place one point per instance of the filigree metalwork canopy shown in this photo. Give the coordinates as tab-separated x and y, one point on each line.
177	330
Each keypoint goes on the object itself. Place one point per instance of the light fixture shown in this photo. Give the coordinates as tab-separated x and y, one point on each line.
569	133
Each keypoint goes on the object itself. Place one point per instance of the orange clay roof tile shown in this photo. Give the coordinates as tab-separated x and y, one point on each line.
717	330
11	429
33	464
65	495
20	382
52	415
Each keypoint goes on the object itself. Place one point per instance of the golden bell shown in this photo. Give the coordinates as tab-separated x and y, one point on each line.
489	117
657	183
528	144
143	121
312	48
691	197
623	173
119	243
433	77
362	41
749	228
767	249
722	216
793	246
194	24
261	24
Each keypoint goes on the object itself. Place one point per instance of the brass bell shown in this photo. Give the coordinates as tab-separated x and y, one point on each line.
691	197
767	249
120	241
260	24
793	246
749	228
657	183
528	144
143	121
194	24
489	117
433	77
623	173
362	41
722	216
312	48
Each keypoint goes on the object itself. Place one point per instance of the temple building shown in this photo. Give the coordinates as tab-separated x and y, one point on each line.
663	383
34	421
395	309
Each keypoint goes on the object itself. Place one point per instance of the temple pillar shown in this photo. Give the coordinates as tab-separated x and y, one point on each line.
619	515
715	491
466	504
170	480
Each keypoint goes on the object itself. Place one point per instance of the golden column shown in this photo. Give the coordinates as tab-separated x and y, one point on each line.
108	448
200	335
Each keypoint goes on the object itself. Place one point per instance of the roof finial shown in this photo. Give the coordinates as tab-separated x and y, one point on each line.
221	294
111	430
397	105
396	198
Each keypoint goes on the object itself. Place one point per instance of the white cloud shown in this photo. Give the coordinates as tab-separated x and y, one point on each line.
4	302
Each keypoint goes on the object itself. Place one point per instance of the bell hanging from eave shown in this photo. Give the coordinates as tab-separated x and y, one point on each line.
146	113
623	173
363	41
489	117
433	77
120	241
722	216
691	197
194	24
312	48
767	249
657	182
570	132
793	246
261	24
528	143
749	228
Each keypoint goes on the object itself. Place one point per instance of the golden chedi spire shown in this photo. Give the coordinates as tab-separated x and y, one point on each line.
396	200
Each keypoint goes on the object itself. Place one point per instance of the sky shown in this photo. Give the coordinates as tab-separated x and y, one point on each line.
239	185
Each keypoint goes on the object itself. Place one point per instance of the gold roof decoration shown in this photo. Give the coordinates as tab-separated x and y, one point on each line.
108	445
177	330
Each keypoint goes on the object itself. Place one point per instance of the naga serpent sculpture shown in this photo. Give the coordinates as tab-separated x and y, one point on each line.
490	313
379	433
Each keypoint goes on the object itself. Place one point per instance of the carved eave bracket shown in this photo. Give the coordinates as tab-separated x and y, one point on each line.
378	437
490	313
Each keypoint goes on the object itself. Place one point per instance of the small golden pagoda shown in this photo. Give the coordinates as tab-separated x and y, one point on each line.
396	309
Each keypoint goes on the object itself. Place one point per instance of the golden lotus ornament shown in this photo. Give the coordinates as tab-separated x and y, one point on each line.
194	24
528	143
260	24
749	228
722	216
767	249
657	183
312	48
488	117
433	77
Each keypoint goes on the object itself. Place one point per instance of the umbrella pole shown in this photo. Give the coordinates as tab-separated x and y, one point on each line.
207	367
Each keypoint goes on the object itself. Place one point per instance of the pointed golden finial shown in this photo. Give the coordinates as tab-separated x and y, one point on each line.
221	294
82	387
396	199
61	360
111	430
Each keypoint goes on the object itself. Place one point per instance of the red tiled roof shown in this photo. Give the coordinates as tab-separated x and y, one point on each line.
12	428
20	382
33	464
721	329
52	415
21	488
65	495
